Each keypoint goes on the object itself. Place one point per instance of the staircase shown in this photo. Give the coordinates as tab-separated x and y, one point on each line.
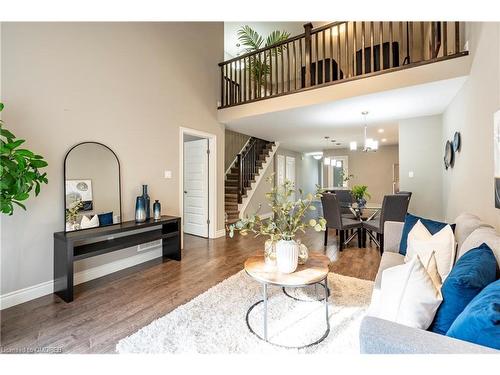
243	175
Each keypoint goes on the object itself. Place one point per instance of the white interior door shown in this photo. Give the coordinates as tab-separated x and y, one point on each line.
290	171
196	187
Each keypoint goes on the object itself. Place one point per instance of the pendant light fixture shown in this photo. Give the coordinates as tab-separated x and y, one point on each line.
370	143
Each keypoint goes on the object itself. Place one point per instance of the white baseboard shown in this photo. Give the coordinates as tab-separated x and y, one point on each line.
26	294
220	233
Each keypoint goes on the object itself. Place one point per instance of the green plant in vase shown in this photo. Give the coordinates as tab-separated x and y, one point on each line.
287	221
359	192
72	214
19	171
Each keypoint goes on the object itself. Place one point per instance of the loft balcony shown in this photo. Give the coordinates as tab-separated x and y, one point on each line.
339	53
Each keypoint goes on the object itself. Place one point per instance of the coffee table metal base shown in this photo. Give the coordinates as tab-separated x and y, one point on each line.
264	301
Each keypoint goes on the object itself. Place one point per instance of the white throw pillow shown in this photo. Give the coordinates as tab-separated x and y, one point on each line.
408	295
89	223
422	243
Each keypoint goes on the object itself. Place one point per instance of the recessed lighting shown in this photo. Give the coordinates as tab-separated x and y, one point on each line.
384	139
338	143
381	130
327	137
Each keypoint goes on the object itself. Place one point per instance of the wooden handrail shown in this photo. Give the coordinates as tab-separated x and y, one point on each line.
332	53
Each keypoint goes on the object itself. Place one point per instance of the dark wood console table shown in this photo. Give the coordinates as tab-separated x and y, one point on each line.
72	246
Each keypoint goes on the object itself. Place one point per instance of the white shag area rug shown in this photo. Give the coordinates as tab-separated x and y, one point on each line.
214	322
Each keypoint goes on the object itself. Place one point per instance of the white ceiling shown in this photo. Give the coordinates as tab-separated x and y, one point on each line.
303	129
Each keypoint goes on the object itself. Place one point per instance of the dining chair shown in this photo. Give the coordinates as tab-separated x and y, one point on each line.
394	208
334	220
404	193
345	198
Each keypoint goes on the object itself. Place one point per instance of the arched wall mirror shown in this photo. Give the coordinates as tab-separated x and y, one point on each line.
92	191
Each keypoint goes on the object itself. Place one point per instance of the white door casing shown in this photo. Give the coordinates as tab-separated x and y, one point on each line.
290	171
196	187
281	170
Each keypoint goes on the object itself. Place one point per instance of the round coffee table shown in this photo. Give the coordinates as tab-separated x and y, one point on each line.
314	272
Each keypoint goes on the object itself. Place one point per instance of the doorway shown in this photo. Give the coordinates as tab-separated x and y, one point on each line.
197	183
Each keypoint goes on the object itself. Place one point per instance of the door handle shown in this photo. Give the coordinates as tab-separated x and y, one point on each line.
185	192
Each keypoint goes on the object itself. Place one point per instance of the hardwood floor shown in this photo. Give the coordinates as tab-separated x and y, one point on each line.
115	306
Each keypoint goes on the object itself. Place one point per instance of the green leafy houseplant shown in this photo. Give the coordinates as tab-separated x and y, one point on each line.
252	41
359	192
288	215
19	170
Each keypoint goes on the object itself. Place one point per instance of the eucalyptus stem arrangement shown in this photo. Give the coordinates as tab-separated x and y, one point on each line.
288	215
288	218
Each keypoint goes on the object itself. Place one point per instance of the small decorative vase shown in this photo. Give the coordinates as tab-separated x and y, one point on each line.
140	210
287	256
361	203
303	253
157	210
147	202
270	253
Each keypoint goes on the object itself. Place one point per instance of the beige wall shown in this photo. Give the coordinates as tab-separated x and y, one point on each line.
373	169
127	85
421	152
233	142
468	186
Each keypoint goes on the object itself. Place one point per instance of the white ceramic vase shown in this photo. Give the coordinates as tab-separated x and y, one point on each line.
287	256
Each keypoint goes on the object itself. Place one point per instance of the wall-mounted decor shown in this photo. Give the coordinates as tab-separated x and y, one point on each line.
496	157
449	155
457	142
79	190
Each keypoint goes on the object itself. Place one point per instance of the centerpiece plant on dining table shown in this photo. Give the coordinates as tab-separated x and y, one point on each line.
282	228
359	192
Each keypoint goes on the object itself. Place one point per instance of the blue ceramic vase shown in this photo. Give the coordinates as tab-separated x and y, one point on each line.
157	210
140	210
147	202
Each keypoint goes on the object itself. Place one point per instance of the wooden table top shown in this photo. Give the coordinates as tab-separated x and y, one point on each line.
315	270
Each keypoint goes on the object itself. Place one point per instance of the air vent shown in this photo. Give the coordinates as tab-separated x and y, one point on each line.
148	245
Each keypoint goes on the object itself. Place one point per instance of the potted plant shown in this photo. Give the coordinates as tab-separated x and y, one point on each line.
288	219
252	41
19	171
359	192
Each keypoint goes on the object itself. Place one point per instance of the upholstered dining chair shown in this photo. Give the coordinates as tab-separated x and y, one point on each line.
334	220
394	208
345	198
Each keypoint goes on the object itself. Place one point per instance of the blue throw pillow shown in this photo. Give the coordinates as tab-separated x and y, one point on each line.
473	271
105	219
479	323
410	220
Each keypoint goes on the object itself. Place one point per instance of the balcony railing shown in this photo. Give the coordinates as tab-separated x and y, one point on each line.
334	53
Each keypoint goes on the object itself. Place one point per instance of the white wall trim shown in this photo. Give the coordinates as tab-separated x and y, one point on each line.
212	178
221	233
35	291
262	171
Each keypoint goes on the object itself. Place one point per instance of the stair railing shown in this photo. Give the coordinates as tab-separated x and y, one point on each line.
336	52
247	164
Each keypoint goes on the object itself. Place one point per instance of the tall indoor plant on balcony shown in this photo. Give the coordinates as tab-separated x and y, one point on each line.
19	171
288	219
252	41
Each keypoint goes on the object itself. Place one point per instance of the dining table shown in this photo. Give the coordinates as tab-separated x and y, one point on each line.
364	212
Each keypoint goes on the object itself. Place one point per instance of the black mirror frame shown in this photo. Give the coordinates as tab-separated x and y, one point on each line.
64	179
